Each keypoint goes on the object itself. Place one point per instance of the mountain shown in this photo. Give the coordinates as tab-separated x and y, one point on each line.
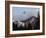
31	23
30	19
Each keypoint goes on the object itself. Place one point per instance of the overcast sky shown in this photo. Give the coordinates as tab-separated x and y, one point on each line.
22	13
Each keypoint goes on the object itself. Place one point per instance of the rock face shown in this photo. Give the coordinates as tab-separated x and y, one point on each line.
31	23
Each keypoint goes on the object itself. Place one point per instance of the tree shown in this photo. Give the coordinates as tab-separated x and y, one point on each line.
38	15
38	22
